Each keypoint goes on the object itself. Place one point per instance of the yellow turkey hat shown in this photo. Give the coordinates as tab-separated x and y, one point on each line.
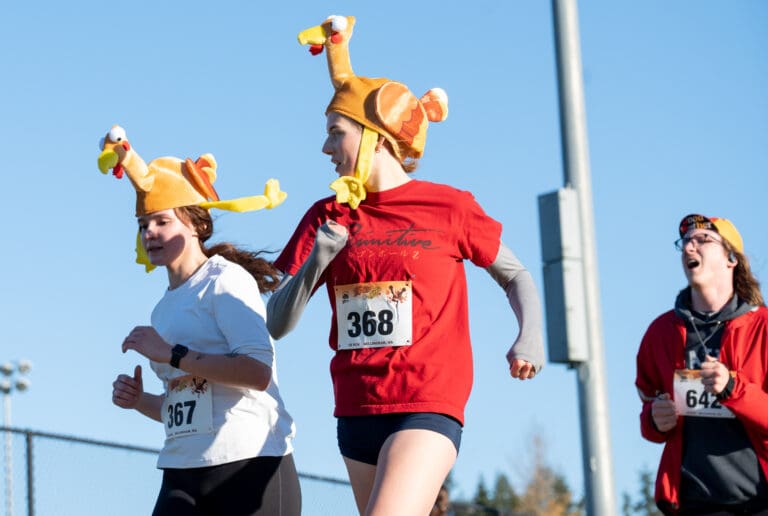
170	182
171	186
384	106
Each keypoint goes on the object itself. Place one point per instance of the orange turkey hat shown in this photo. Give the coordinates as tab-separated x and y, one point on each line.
170	182
380	105
385	106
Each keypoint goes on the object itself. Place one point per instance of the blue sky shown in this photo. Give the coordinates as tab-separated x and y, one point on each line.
677	113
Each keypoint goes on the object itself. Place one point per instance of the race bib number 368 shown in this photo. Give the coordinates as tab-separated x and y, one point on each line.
692	400
374	315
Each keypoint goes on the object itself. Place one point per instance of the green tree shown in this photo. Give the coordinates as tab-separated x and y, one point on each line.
478	506
626	504
645	504
482	497
545	491
504	496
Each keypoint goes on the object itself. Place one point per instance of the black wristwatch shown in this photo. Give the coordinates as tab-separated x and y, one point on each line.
178	352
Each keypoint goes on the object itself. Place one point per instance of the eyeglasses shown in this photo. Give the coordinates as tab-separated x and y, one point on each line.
699	239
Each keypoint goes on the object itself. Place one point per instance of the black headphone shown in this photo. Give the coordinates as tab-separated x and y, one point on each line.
731	257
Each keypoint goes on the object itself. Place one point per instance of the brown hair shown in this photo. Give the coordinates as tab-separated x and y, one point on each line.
267	276
408	164
745	284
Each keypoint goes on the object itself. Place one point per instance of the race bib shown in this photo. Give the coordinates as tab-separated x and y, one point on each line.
188	407
692	400
374	315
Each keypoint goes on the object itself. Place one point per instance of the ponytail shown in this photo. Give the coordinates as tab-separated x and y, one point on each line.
267	276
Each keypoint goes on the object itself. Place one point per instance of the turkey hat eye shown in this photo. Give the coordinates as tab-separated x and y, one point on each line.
338	23
117	134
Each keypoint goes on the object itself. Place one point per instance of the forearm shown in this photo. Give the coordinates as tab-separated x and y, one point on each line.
748	402
230	369
648	428
654	376
524	300
287	303
149	405
525	303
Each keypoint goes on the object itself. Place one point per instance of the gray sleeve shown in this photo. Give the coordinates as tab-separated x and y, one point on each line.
521	292
287	303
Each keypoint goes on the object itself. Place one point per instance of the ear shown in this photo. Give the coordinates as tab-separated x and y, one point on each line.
732	258
380	143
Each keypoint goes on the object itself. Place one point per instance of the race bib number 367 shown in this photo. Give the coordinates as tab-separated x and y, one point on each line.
374	315
188	407
692	400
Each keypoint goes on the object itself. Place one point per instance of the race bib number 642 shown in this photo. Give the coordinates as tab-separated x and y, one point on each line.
692	400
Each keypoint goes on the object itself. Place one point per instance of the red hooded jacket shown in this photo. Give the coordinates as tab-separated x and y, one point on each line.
744	349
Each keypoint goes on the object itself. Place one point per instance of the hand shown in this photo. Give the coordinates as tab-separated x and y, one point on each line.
663	413
146	341
521	369
127	390
336	227
331	238
714	375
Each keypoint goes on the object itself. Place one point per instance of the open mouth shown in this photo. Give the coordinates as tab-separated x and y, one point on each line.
692	263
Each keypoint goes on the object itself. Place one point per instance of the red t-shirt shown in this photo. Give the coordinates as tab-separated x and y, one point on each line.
417	235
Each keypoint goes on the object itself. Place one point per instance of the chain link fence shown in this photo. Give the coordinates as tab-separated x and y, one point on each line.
48	474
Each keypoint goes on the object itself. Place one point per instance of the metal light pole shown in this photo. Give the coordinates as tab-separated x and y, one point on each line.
14	379
574	329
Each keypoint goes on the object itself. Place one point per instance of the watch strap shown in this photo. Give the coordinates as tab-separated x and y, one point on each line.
178	352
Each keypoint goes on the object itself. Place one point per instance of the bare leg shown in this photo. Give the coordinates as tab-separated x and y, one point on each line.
413	464
361	476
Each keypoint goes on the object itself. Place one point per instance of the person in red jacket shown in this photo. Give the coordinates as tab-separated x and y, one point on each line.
701	375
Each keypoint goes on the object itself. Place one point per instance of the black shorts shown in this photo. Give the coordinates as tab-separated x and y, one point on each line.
362	437
250	487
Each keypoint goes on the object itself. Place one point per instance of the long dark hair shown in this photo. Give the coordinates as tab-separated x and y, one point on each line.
263	271
745	284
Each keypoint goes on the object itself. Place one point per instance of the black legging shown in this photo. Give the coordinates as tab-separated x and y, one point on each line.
252	487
